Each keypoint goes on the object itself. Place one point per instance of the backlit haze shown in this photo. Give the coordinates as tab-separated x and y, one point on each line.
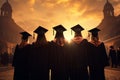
30	14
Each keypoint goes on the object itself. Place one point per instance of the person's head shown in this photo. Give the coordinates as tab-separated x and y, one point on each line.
77	29
111	47
25	36
59	36
40	31
94	34
24	39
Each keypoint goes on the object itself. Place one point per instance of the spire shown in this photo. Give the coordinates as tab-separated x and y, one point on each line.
6	9
108	10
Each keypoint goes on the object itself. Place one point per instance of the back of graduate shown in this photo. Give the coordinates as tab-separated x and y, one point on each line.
78	52
97	56
58	55
39	56
20	59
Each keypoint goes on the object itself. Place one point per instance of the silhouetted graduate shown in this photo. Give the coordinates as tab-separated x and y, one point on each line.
78	53
20	58
39	56
113	56
58	54
97	56
5	58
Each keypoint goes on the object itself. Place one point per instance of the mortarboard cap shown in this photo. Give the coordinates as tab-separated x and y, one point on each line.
77	29
40	30
59	28
59	31
25	35
111	47
94	32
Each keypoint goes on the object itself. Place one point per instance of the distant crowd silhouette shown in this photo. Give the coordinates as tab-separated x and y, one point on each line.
5	58
78	60
114	56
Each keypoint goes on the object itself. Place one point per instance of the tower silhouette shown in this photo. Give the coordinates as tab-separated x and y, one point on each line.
6	9
110	26
108	10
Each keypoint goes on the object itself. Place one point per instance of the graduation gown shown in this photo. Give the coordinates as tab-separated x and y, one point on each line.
39	69
78	60
57	62
20	63
97	61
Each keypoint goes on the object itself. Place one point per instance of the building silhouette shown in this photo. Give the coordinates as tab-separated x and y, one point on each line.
9	30
110	26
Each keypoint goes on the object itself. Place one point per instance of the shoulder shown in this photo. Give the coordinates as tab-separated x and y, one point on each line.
52	43
28	46
101	44
85	41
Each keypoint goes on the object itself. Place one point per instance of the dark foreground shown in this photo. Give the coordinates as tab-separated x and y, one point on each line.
6	73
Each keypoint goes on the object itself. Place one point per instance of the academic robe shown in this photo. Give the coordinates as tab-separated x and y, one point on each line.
57	58
39	68
78	60
20	63
97	61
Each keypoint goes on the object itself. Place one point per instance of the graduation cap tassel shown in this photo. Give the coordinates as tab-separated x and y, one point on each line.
53	32
71	32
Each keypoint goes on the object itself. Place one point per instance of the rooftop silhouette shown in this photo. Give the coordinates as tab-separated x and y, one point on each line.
110	25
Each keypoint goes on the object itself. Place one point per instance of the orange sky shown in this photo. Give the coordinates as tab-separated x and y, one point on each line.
29	14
